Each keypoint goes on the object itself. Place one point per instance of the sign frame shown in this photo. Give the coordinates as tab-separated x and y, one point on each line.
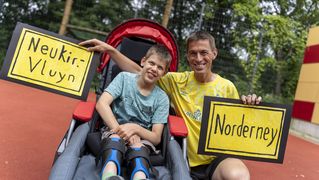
90	65
203	144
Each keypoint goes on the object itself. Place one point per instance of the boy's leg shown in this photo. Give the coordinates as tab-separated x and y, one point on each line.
231	168
113	148
138	161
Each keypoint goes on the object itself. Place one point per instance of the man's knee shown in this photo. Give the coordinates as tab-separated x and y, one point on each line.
232	169
238	173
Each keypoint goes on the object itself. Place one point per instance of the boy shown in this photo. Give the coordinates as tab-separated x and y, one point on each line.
140	110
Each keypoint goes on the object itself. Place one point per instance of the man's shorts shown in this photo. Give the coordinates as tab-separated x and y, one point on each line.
204	172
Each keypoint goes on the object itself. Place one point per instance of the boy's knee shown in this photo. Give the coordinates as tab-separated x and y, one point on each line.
114	136
137	145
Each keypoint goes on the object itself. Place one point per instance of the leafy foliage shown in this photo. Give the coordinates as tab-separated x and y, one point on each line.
260	43
275	42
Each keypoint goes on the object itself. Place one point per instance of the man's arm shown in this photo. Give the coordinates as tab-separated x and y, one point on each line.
104	109
127	130
120	59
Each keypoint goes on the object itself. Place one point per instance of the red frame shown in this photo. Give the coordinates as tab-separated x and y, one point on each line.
145	29
303	110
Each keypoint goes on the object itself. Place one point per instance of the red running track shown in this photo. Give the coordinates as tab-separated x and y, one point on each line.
32	123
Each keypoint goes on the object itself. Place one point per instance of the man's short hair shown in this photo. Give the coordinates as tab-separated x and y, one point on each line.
161	51
201	35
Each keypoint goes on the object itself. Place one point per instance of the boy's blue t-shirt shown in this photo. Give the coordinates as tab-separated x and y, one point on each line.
129	105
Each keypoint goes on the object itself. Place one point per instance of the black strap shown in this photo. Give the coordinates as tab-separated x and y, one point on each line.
108	143
143	152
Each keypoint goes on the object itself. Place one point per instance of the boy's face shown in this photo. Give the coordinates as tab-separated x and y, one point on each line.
153	68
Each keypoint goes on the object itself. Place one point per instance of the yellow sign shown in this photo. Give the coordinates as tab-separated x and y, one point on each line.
49	61
251	132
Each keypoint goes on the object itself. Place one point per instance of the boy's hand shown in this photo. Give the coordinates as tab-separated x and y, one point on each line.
96	45
126	131
251	99
134	139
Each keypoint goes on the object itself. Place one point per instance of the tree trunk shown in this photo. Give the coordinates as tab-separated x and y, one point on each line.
66	16
279	78
278	83
167	12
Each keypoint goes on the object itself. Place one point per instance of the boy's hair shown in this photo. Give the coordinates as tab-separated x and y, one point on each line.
201	35
161	51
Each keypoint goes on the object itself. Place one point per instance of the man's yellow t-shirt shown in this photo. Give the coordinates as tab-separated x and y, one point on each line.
187	96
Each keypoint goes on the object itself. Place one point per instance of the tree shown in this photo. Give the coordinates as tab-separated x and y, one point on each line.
261	43
279	55
102	15
34	12
216	18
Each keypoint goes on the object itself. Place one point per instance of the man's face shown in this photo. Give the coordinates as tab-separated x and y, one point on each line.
200	56
153	68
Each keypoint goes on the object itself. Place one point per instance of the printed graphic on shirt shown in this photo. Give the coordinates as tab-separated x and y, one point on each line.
197	115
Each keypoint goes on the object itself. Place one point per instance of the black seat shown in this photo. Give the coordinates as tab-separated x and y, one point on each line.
133	48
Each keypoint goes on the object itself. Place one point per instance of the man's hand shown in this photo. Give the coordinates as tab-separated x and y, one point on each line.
97	45
126	131
251	99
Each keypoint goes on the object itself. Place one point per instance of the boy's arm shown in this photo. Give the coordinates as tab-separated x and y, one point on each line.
120	59
127	130
104	109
